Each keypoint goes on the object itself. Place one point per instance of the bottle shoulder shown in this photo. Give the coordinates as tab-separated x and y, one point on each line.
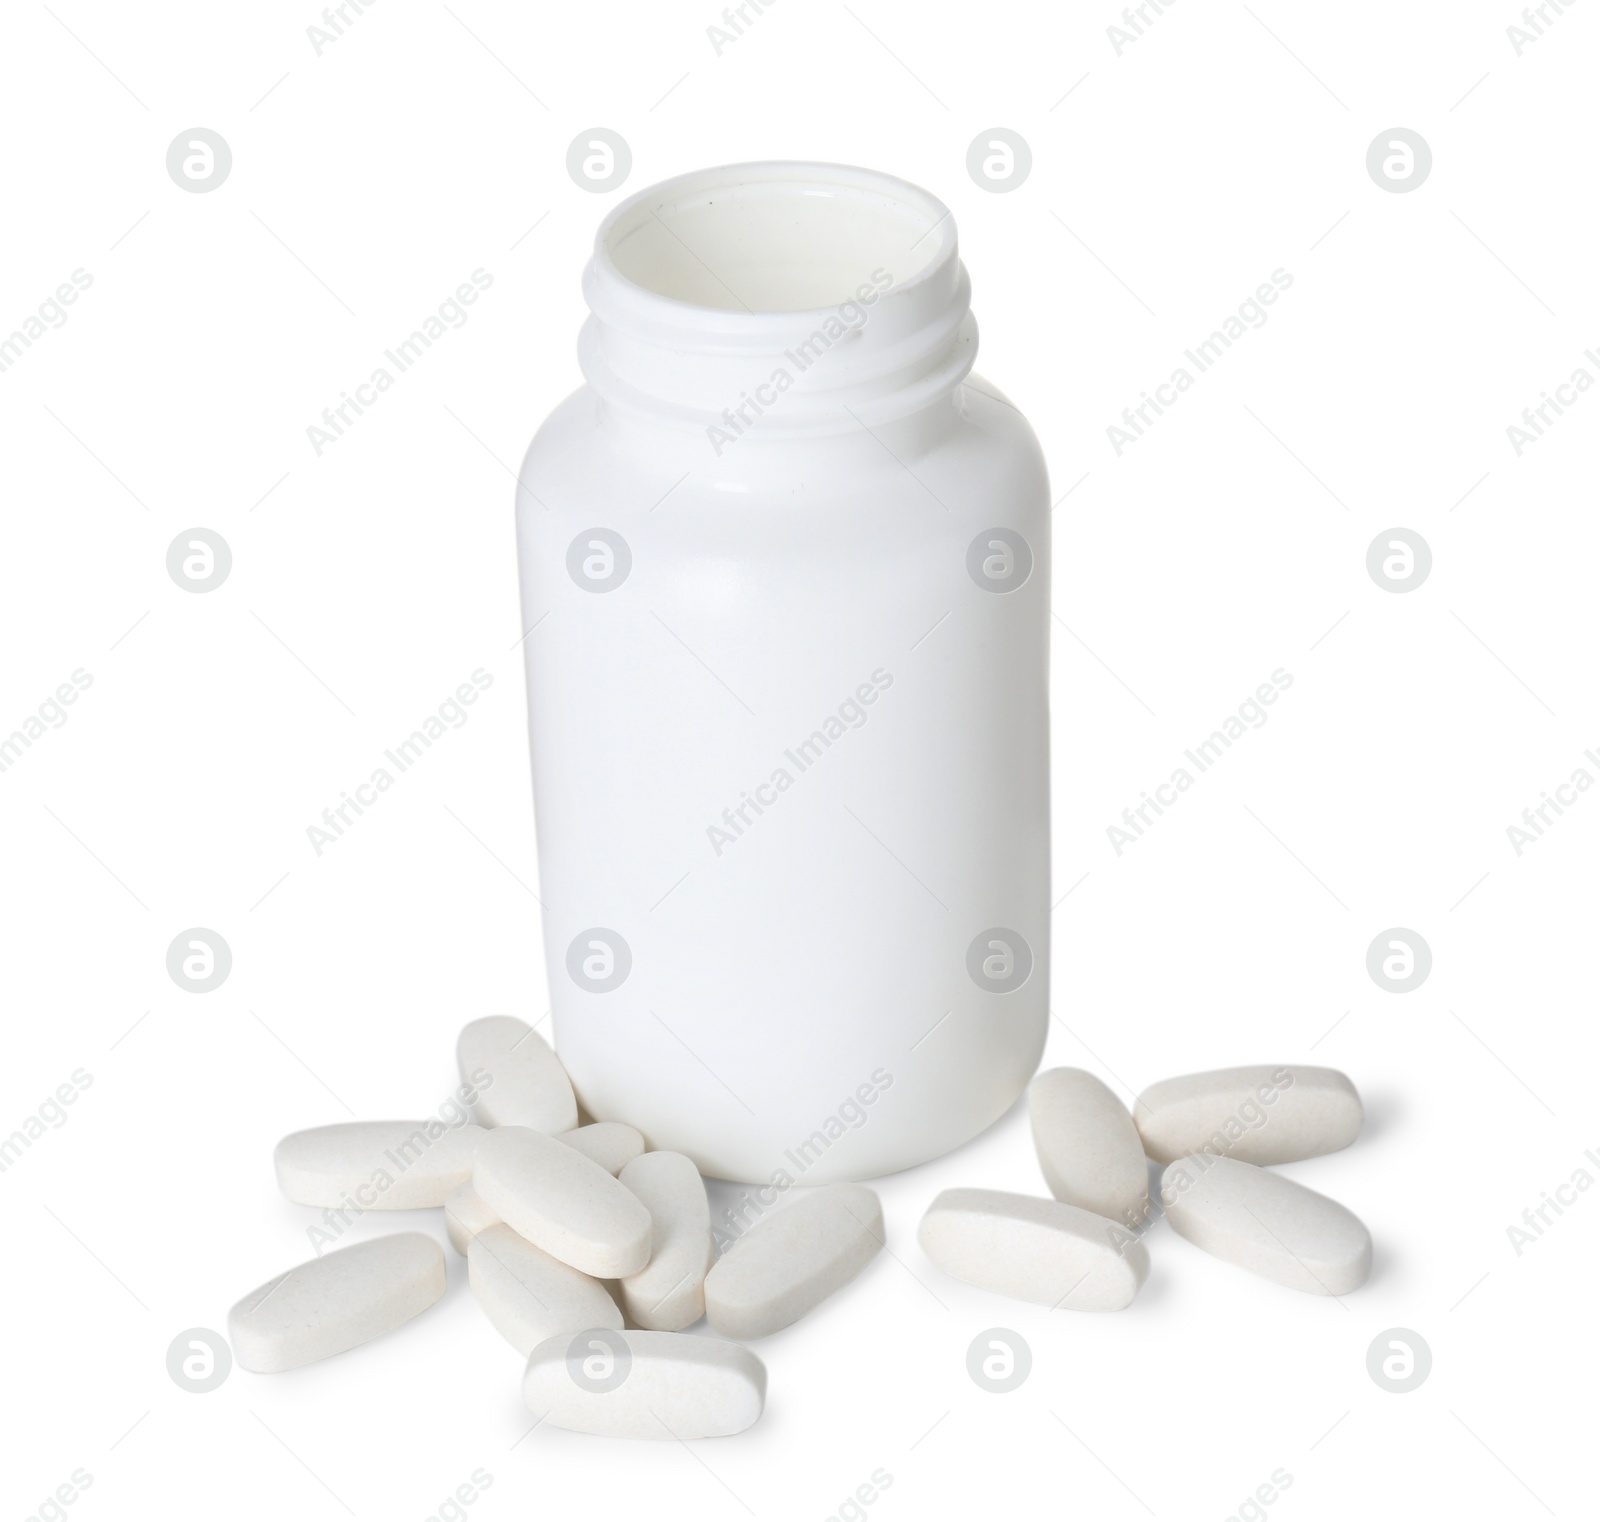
583	449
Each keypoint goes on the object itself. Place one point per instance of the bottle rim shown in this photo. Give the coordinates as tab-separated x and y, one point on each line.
891	345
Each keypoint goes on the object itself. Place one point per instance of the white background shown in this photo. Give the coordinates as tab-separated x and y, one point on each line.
367	583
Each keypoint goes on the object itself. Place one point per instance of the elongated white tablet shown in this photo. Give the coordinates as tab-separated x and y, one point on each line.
1267	1223
529	1296
465	1215
1267	1114
793	1259
645	1384
607	1142
336	1302
668	1294
562	1201
376	1164
527	1086
1089	1148
1031	1249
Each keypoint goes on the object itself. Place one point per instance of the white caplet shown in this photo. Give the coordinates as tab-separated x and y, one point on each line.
526	1084
645	1384
529	1296
562	1201
668	1294
1089	1148
1265	1114
376	1164
336	1302
793	1259
1031	1249
1266	1223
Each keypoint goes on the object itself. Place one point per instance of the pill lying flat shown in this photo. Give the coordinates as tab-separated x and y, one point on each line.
793	1259
465	1215
1268	1114
645	1384
562	1201
336	1302
1266	1223
1089	1149
1031	1249
376	1164
668	1294
607	1142
527	1086
529	1296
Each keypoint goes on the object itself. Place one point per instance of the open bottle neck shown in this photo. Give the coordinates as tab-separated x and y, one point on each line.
777	301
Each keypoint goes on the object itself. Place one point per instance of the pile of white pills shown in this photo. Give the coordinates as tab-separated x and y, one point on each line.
591	1254
1216	1133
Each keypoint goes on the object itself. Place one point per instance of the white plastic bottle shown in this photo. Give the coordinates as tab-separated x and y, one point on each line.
786	570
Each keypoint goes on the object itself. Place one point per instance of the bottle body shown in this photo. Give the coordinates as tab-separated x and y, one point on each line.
788	719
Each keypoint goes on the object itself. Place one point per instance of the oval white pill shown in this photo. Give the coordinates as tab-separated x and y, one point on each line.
645	1384
562	1201
1266	1114
529	1296
668	1294
793	1259
1031	1249
465	1215
1266	1223
607	1142
336	1302
1089	1148
376	1164
526	1084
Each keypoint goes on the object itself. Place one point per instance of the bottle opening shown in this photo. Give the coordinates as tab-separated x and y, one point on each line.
766	238
785	300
